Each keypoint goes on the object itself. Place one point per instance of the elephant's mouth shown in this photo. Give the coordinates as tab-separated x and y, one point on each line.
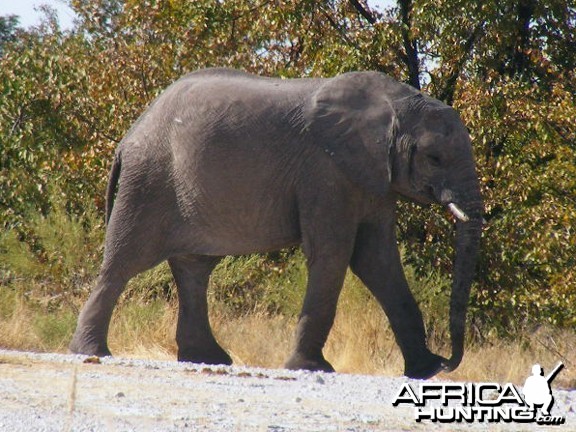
446	198
428	195
422	196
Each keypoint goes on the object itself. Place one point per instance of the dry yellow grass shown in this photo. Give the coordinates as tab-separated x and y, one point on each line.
360	341
15	327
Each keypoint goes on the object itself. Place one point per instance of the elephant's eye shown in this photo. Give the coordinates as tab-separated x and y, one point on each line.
434	160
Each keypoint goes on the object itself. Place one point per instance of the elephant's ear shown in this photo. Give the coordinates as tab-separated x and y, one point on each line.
351	119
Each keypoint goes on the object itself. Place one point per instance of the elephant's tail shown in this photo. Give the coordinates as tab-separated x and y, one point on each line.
112	183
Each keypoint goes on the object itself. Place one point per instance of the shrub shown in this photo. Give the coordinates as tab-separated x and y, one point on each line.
57	254
270	283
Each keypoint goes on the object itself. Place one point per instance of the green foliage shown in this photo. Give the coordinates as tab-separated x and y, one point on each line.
142	316
67	98
32	325
431	289
529	181
7	301
54	330
273	283
152	285
58	253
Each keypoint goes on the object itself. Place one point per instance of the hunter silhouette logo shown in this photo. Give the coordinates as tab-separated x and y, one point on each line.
484	402
537	390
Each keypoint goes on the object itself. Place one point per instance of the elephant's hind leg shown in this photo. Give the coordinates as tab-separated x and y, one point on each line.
128	252
194	337
118	268
327	256
324	285
91	333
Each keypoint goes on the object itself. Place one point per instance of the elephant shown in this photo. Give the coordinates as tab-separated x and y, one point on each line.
224	162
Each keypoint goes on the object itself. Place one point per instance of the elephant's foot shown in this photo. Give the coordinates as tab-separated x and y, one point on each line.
213	356
88	346
425	367
300	361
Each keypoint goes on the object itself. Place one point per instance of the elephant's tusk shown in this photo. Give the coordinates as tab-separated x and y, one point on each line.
458	213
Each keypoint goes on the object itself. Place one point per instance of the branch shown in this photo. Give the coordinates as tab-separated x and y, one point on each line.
410	46
94	127
362	10
339	29
447	95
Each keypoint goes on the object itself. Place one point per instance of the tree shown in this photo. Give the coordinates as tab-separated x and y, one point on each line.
8	28
507	67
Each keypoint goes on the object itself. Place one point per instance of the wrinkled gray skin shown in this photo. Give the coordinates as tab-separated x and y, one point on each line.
227	163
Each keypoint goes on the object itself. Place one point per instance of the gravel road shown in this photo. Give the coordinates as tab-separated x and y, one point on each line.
55	392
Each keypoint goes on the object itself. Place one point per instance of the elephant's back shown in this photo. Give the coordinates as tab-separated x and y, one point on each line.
241	79
219	100
225	88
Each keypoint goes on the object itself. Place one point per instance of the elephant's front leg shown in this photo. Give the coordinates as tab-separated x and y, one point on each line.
376	261
194	337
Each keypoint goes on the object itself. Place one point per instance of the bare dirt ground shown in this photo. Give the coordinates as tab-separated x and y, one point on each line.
54	392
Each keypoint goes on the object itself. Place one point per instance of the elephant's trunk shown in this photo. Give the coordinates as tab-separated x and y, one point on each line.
468	232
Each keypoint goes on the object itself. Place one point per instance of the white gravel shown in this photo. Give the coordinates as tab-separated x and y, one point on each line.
55	392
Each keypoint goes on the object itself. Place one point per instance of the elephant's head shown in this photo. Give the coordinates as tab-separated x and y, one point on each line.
390	138
432	162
